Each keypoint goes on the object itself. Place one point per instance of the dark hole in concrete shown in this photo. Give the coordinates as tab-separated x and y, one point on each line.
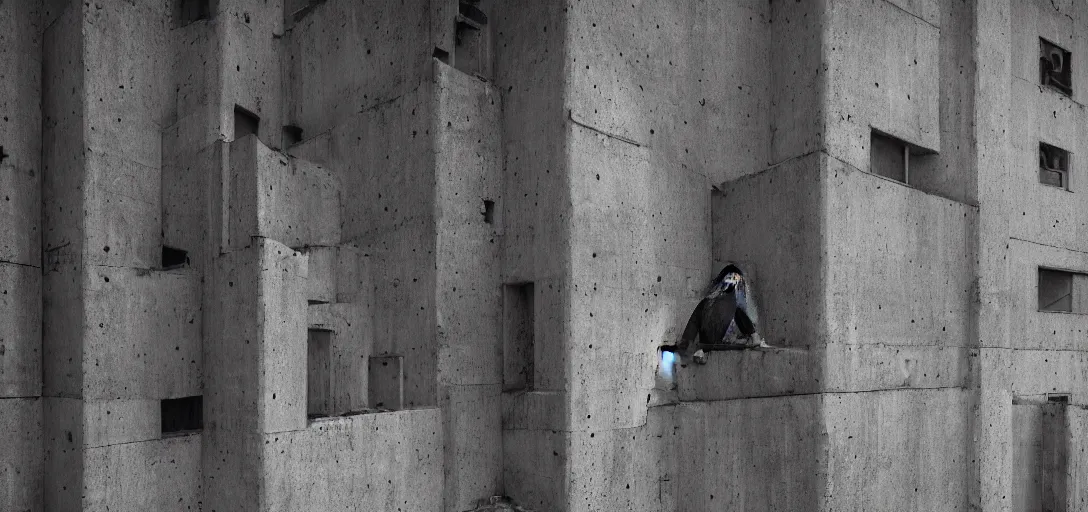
1055	67
1055	290
1057	398
472	49
174	258
182	415
291	135
245	122
318	373
519	326
441	55
489	211
3	155
1053	166
472	12
893	158
189	11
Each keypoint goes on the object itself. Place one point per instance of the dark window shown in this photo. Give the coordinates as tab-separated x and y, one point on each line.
519	319
472	51
291	135
188	11
1055	290
1053	166
174	258
182	415
1055	67
489	211
245	122
1057	398
893	158
318	373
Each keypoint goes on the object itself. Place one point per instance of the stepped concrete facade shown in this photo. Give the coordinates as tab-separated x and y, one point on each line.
303	255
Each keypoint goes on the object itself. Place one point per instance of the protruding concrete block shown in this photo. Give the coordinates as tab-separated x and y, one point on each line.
151	475
321	274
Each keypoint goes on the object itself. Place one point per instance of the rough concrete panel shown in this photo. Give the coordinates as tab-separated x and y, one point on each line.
351	345
716	123
1077	479
1031	328
375	54
62	341
473	448
883	74
779	465
1061	22
21	457
152	475
20	331
110	422
536	468
522	410
798	78
62	437
277	197
379	461
1042	213
142	334
897	450
321	275
251	75
123	212
1037	372
787	202
752	373
282	339
900	263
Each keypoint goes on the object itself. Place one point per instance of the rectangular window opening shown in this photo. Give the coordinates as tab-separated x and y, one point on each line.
1053	166
245	122
1057	398
441	55
318	373
519	326
174	258
472	50
291	135
182	415
189	11
1055	291
893	158
1055	67
489	211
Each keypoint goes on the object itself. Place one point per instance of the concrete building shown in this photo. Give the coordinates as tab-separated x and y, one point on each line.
303	255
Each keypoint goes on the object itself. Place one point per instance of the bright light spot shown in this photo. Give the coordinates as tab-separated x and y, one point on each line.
668	359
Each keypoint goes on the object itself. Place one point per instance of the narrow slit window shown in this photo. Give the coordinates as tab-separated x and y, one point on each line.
489	211
318	373
245	122
893	158
189	11
1055	67
519	351
1053	166
182	415
1057	398
174	258
1055	291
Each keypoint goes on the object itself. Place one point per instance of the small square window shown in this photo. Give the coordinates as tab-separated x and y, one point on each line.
1053	166
1055	67
182	415
893	158
1055	291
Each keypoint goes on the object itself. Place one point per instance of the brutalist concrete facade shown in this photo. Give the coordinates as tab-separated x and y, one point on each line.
273	255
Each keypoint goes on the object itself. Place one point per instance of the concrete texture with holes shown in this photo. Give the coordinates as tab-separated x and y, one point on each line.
293	255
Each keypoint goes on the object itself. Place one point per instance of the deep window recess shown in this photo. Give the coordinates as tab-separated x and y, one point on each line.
245	122
318	373
188	11
1055	67
1062	291
182	415
518	336
472	53
1053	166
893	158
291	135
174	258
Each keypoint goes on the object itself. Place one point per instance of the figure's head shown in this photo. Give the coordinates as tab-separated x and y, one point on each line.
728	279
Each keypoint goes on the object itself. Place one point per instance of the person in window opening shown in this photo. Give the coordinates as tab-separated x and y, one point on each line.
725	318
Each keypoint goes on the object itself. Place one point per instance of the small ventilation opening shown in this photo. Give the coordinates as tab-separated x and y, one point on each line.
245	122
489	211
1057	398
441	55
182	415
1055	291
318	373
189	11
1053	166
519	326
174	258
291	135
1055	67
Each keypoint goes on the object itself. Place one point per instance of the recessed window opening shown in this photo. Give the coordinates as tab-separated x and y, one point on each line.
3	155
189	11
893	158
489	211
291	135
1055	291
1055	65
1057	398
174	258
441	55
519	326
182	415
245	122
318	373
1053	166
472	50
